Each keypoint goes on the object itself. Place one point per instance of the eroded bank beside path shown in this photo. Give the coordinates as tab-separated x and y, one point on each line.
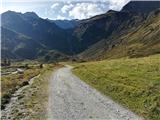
71	99
30	102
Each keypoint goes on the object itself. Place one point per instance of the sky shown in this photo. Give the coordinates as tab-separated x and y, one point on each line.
63	9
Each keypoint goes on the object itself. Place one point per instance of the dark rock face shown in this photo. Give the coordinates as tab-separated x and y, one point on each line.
66	24
42	31
141	6
16	45
31	15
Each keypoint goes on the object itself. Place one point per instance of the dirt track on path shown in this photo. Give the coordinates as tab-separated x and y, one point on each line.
72	99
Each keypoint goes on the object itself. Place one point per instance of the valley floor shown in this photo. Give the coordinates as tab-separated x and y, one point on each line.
132	83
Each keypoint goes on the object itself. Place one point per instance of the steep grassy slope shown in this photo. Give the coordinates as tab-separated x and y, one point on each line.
104	26
51	56
134	83
143	41
139	41
17	46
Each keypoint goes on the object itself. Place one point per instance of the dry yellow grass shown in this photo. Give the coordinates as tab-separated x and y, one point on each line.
10	83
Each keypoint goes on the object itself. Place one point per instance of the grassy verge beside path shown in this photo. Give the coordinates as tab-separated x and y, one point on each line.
34	101
134	83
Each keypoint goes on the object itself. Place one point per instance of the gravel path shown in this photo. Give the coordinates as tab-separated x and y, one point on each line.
72	99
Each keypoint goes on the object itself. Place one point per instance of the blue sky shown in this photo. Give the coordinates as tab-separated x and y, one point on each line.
63	9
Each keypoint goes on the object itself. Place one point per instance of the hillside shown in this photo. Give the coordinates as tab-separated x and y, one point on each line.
94	38
138	41
104	26
20	47
48	34
17	46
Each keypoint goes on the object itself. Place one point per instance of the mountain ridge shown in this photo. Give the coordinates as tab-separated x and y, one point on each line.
93	38
141	6
142	41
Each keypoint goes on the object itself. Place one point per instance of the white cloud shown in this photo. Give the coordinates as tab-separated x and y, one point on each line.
66	8
85	10
78	10
117	4
60	9
55	5
59	17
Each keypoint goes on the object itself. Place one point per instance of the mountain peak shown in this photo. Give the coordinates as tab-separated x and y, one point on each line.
111	11
15	14
31	14
9	12
141	6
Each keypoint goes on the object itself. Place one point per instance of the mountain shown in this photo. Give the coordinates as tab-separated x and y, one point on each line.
141	6
17	46
66	24
102	32
139	41
27	30
31	15
44	32
133	32
103	26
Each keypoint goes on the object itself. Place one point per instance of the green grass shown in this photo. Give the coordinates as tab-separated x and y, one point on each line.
134	83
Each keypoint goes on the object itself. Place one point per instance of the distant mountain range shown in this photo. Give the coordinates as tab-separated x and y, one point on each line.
134	31
43	35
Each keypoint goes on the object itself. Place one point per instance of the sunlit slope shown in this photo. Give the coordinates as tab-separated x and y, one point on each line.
145	40
139	41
